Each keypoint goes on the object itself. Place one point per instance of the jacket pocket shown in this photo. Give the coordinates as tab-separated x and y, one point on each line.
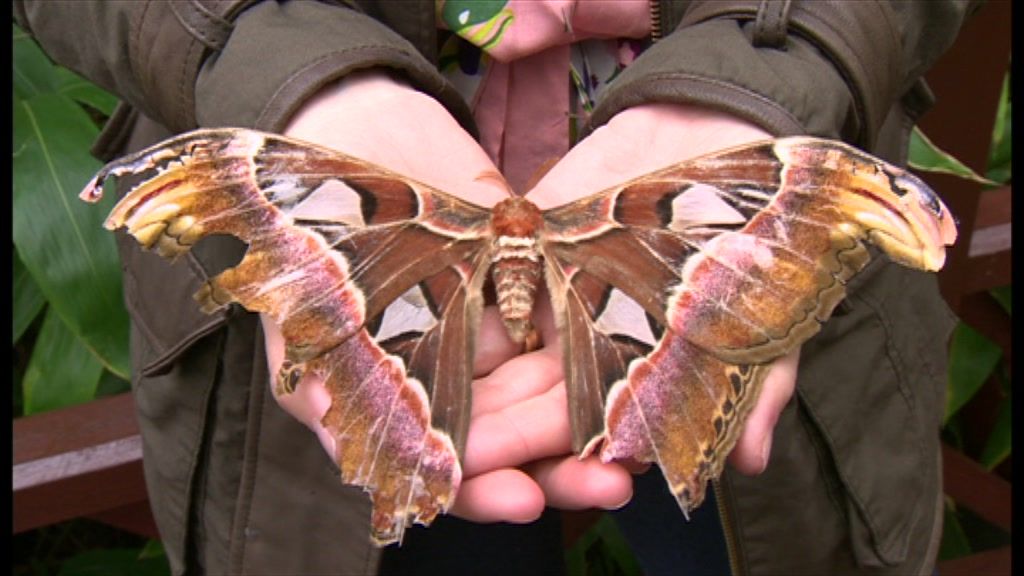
873	393
176	351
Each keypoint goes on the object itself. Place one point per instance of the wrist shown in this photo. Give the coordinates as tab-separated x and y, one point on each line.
380	118
670	133
640	140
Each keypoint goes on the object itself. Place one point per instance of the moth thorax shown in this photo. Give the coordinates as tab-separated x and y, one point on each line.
517	267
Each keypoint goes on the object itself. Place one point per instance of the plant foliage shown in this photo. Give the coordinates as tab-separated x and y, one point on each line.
66	267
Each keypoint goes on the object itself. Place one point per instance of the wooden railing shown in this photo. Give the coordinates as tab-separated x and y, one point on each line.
82	461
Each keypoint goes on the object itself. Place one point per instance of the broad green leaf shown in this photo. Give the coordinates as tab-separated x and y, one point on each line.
81	90
602	551
1000	440
111	384
617	547
953	432
955	543
153	549
1004	296
1000	157
114	562
925	155
62	372
60	239
972	359
33	72
17	394
28	300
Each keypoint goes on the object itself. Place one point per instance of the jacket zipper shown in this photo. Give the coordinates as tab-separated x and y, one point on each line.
728	529
655	20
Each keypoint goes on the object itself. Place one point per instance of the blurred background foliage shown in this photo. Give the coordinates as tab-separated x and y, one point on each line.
974	359
70	328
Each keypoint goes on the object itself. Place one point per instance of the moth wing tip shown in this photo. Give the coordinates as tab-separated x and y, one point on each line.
93	191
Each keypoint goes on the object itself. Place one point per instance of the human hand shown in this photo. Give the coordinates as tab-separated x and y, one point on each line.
374	117
640	140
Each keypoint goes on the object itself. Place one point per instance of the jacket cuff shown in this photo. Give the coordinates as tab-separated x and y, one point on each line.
280	54
169	42
831	69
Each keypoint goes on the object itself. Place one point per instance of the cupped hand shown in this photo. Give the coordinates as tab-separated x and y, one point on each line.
640	140
519	418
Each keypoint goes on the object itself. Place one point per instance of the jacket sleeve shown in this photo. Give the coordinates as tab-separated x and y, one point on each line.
223	62
828	68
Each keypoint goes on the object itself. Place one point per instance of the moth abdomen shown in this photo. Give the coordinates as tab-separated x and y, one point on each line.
516	269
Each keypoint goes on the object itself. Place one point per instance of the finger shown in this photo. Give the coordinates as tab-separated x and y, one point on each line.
524	376
505	495
274	344
544	319
535	428
573	484
493	346
517	380
750	456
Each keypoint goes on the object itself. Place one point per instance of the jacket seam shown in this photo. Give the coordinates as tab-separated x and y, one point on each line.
198	12
899	366
133	48
238	539
183	84
833	46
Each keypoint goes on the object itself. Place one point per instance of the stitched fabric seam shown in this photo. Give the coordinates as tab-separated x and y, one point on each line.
896	359
247	484
216	23
136	40
834	487
183	84
196	20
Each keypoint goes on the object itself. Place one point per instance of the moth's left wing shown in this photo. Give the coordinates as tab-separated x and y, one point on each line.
374	279
728	261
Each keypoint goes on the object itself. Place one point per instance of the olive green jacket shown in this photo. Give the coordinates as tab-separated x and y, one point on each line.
854	482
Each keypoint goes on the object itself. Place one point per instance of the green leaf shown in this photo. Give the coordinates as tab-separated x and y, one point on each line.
153	549
33	72
617	547
953	432
28	300
925	155
61	371
1004	296
972	359
955	543
81	90
1000	162
114	562
1000	440
111	384
602	551
60	239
